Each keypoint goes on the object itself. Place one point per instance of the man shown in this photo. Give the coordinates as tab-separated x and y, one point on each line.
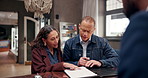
134	45
89	50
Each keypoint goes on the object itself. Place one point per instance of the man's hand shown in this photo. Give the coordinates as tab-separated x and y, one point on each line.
92	63
83	61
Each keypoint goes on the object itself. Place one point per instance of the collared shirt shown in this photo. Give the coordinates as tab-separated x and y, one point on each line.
84	45
53	58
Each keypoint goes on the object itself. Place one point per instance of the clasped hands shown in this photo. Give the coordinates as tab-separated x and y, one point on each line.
85	61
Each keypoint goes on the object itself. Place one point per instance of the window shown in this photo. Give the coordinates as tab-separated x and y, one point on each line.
113	5
116	22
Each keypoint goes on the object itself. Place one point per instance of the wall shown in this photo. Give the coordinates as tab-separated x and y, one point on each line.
101	17
115	44
67	10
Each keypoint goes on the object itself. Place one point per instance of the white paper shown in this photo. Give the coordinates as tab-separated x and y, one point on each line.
82	72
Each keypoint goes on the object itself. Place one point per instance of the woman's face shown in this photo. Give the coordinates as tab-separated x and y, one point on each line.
52	39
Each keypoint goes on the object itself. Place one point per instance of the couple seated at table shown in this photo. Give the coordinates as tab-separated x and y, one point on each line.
85	49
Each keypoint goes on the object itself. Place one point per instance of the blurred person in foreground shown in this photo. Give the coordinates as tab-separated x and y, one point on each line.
89	50
46	52
134	44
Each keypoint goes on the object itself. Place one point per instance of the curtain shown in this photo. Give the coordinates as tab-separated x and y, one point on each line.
90	8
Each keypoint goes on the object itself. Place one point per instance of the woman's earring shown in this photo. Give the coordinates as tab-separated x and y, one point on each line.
44	44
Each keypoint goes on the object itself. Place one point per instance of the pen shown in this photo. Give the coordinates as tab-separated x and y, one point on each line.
88	59
66	67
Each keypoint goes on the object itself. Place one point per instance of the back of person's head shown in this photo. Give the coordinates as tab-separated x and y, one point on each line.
133	6
43	33
88	19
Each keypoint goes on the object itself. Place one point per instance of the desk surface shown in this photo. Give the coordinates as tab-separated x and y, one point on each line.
101	73
105	72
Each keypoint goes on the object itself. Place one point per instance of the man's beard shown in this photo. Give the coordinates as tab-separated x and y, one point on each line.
130	9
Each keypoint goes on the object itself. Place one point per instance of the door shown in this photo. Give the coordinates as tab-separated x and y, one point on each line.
31	29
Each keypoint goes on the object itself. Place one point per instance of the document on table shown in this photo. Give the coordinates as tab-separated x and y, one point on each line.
82	72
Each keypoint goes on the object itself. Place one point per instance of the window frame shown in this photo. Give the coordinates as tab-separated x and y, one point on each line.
110	12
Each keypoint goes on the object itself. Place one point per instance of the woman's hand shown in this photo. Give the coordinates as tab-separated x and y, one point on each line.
70	66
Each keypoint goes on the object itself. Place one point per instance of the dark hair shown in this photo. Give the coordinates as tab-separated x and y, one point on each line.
43	33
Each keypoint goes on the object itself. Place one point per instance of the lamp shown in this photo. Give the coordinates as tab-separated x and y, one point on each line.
39	7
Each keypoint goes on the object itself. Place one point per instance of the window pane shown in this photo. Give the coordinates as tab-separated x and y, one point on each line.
116	24
113	4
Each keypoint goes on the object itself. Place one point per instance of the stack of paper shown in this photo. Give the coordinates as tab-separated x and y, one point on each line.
82	72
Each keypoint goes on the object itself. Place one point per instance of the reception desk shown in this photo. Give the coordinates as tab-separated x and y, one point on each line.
101	73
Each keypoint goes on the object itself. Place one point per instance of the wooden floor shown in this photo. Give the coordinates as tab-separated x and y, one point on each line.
9	67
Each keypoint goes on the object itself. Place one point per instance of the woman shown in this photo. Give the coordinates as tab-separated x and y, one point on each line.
46	53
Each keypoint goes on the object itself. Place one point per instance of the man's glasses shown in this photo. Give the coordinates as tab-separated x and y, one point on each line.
88	31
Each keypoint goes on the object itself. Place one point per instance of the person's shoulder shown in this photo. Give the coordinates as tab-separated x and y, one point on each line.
73	39
37	49
99	38
139	20
139	15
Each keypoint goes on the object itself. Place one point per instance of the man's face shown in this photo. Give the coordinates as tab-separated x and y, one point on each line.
130	7
86	30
